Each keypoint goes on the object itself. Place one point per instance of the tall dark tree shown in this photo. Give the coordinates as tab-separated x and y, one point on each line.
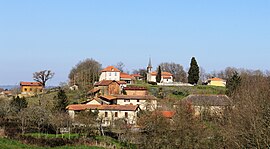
193	72
17	103
43	76
158	77
62	101
232	83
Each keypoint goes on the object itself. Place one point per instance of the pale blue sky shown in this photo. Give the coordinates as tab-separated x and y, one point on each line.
57	34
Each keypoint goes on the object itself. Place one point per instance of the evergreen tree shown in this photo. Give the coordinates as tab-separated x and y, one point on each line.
158	77
18	103
62	101
193	72
232	83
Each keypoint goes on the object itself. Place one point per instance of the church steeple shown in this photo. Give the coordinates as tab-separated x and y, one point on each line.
149	67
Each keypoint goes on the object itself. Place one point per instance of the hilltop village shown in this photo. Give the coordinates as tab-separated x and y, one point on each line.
110	108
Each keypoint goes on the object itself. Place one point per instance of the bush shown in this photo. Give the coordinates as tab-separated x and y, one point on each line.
152	83
180	93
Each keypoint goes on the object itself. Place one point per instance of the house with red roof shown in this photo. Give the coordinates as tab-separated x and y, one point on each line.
127	78
31	87
166	77
108	113
110	73
216	82
137	76
107	87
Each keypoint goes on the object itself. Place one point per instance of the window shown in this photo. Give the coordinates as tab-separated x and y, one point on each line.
115	73
40	90
126	100
25	89
138	100
116	114
126	115
110	73
30	89
106	114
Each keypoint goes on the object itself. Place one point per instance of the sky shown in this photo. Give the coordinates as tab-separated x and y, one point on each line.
56	34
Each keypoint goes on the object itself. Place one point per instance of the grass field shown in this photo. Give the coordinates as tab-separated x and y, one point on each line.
43	135
13	144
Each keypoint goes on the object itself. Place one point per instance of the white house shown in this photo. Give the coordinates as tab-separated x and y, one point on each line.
108	113
166	77
146	102
110	73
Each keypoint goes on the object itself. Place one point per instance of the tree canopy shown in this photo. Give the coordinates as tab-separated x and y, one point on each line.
61	101
176	69
85	73
193	72
158	77
232	83
43	76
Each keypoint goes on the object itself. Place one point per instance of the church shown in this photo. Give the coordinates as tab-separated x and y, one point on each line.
166	77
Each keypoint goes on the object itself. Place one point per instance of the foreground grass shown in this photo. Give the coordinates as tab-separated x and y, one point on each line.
115	142
43	135
13	144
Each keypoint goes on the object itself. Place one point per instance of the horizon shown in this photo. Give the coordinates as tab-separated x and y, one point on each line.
56	35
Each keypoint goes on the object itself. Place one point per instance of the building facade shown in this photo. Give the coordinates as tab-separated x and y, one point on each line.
110	73
31	87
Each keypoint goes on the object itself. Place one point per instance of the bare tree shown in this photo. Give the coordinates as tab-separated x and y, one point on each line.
43	76
142	72
120	66
249	120
203	75
85	73
176	69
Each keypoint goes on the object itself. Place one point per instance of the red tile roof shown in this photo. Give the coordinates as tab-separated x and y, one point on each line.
216	79
30	84
136	75
135	88
125	75
162	74
146	97
168	114
108	97
79	107
94	90
122	82
110	69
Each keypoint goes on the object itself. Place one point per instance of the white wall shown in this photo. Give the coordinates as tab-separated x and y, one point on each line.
106	121
144	104
166	80
110	76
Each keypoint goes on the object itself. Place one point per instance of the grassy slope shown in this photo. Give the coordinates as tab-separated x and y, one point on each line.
12	144
183	91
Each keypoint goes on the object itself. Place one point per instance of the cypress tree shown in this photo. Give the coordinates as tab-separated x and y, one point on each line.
62	101
158	77
193	72
232	83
